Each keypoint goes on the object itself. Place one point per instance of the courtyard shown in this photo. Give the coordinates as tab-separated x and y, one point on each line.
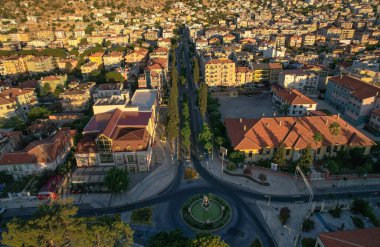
247	106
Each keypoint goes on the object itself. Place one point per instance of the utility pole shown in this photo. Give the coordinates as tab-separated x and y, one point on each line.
267	196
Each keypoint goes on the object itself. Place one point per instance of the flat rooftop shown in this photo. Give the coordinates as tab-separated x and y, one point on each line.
144	99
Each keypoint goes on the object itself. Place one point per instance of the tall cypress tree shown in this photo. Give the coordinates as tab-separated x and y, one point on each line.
196	70
203	99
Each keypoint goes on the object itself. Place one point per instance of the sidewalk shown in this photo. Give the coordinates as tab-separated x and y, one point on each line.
153	184
281	184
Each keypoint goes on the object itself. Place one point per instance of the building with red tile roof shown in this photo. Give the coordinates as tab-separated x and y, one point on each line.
293	101
369	237
38	155
353	98
259	138
118	138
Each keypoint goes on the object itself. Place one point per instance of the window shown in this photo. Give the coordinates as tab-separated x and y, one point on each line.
287	152
261	151
250	154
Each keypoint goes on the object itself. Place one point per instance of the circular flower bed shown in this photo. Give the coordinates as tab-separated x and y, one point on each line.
215	216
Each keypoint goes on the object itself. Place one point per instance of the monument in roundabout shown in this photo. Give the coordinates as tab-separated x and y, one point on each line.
206	212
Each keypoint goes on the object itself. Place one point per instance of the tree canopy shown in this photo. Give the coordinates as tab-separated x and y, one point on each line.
117	179
38	112
56	224
114	77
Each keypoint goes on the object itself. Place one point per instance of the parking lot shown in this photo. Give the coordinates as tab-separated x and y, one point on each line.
246	106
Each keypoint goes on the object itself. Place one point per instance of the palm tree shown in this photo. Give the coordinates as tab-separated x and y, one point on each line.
318	138
334	129
284	109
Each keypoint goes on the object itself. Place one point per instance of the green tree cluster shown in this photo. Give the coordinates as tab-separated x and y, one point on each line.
306	158
13	122
38	112
56	224
177	239
114	77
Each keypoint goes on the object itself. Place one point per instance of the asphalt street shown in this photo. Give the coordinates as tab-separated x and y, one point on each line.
246	222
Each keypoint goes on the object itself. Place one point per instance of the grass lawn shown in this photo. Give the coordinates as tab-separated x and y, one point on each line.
142	216
213	212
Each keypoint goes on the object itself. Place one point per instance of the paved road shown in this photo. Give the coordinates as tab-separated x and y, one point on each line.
247	222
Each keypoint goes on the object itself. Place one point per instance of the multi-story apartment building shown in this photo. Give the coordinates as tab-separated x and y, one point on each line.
347	33
45	35
113	60
108	90
43	64
309	40
88	68
19	37
220	72
17	102
274	72
355	99
244	75
15	65
53	81
260	138
139	55
261	72
291	102
302	80
77	97
96	58
38	155
374	121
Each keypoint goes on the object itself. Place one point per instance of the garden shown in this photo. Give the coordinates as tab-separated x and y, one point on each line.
206	212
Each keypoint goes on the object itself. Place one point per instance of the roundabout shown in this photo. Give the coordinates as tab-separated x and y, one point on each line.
206	212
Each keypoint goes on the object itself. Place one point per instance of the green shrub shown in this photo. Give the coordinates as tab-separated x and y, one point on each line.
357	222
307	225
336	212
142	216
284	215
308	242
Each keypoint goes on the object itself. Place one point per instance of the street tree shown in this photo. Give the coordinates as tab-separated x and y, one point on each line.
306	158
185	110
46	89
205	137
117	179
208	240
186	134
203	99
196	70
13	122
237	157
279	157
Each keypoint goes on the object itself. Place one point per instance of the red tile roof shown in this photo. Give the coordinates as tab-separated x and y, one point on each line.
292	96
369	237
376	112
358	88
293	132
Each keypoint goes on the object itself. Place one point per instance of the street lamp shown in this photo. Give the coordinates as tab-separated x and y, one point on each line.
267	196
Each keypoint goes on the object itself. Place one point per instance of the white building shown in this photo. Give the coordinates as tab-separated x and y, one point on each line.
302	80
291	102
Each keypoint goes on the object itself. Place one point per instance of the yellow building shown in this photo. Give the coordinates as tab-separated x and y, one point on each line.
53	81
16	102
88	68
96	58
244	75
347	33
19	37
77	97
259	138
45	35
261	72
220	72
41	65
15	65
137	56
